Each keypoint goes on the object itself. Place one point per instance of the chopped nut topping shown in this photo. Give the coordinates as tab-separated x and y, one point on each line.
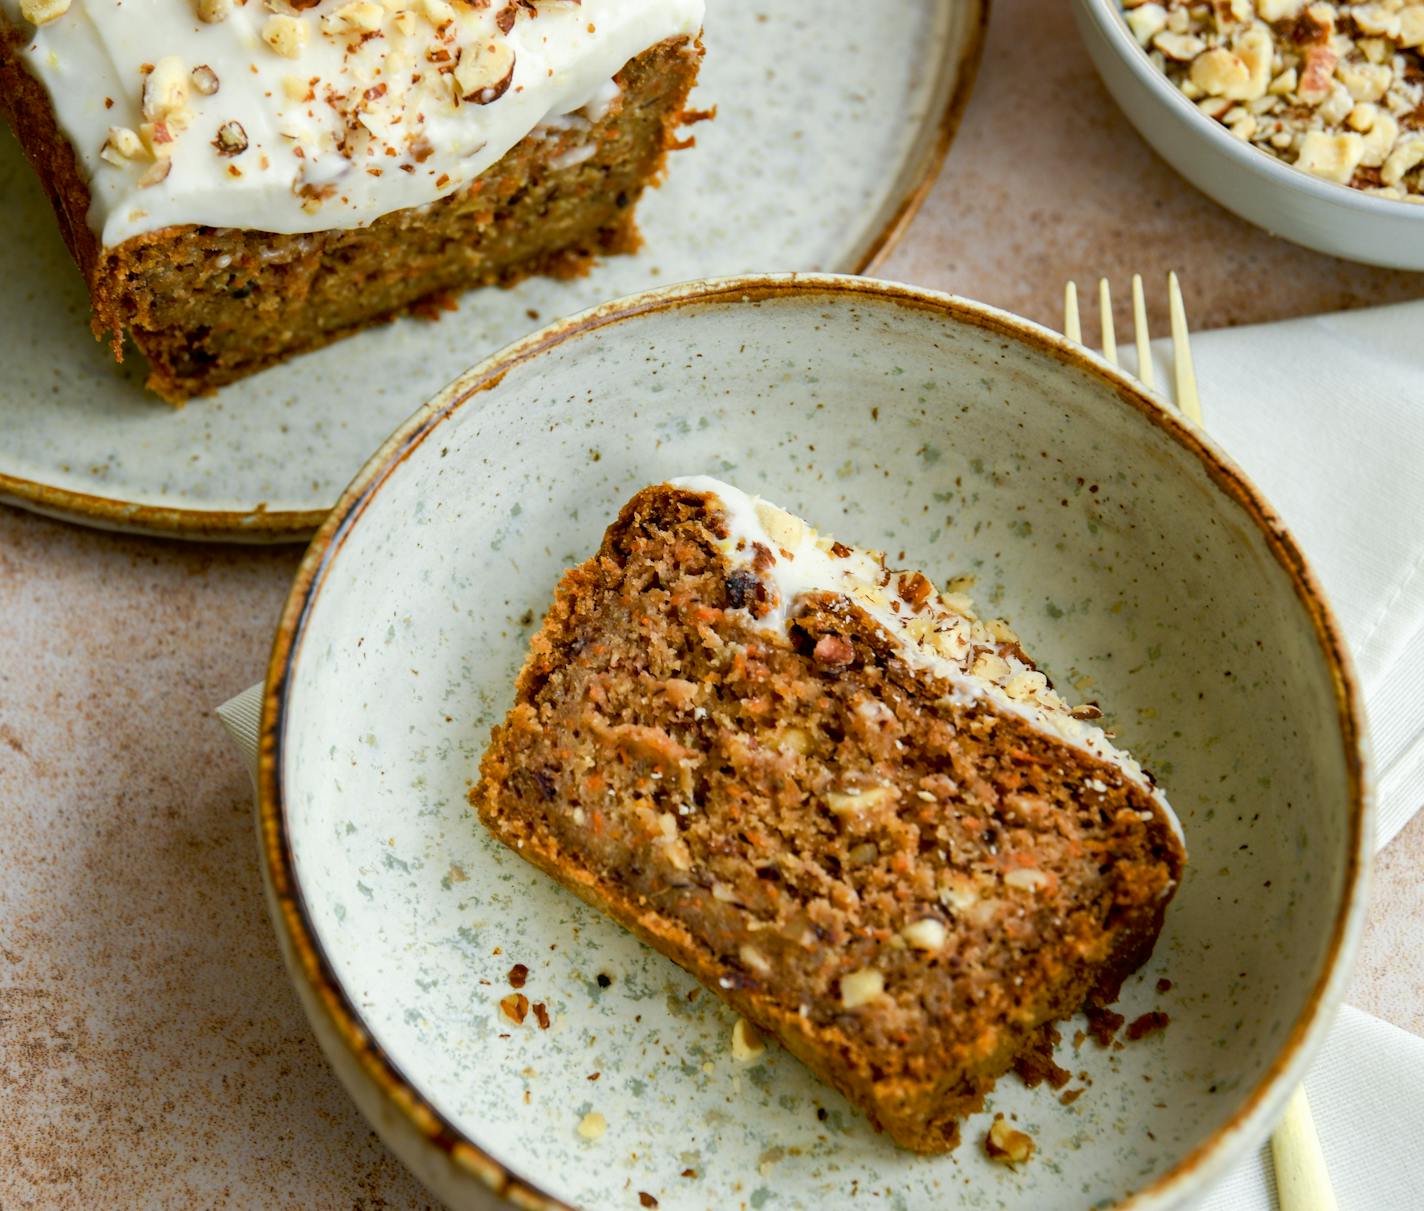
781	527
515	1007
42	12
1005	1145
1335	88
122	146
592	1125
231	140
214	11
485	72
156	173
165	93
205	80
747	1045
285	35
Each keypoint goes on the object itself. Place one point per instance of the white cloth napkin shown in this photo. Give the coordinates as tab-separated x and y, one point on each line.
1326	414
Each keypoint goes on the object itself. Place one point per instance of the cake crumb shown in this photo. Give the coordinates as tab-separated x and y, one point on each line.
592	1125
1148	1023
1035	1064
1103	1024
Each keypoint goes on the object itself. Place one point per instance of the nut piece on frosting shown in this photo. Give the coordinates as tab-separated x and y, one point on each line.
42	12
485	71
285	35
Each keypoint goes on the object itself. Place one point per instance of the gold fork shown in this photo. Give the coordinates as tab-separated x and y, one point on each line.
1183	371
1302	1180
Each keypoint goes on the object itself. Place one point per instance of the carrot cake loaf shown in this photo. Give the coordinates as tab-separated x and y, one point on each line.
241	180
850	807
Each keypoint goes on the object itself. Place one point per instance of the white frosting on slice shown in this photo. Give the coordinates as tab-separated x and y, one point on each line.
939	633
323	117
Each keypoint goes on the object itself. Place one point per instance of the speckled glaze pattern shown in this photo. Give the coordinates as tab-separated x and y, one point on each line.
862	108
1136	563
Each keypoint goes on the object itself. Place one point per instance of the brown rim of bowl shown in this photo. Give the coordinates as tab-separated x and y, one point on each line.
1270	1092
262	526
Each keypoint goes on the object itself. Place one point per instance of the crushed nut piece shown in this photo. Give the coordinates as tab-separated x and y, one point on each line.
42	12
1006	1145
592	1125
204	79
231	139
928	934
861	987
747	1045
285	35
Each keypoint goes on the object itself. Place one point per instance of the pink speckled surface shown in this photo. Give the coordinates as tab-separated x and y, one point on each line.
151	1051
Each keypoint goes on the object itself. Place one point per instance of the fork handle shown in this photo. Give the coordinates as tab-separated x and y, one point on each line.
1302	1181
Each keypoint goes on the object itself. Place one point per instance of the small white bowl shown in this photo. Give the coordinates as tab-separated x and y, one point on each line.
1140	566
1286	201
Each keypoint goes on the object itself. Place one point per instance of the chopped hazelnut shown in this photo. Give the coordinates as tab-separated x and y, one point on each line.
204	80
42	12
1005	1145
747	1045
285	35
927	934
861	987
231	139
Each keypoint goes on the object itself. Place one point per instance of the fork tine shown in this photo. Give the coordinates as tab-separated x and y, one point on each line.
1071	327
1105	310
1187	399
1145	370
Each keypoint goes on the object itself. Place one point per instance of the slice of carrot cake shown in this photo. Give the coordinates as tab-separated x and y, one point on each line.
241	180
850	807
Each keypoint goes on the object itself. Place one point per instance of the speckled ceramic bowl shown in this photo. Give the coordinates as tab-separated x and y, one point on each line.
1284	200
1137	562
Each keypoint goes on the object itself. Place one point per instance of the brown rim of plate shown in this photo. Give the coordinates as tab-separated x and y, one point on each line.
263	526
1211	1155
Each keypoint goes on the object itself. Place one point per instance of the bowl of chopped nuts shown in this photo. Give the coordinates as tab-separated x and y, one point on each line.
1306	118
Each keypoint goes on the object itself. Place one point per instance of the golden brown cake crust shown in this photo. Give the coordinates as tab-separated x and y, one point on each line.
782	818
208	306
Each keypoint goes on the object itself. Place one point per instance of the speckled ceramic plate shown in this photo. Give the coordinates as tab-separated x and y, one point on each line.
1136	561
828	132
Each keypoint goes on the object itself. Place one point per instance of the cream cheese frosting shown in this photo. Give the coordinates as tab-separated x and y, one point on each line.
296	116
937	632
